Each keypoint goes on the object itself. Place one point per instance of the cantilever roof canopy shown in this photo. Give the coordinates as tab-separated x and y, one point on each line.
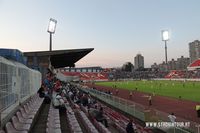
68	58
62	58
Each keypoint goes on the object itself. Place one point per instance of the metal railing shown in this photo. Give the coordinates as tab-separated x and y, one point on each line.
138	111
17	83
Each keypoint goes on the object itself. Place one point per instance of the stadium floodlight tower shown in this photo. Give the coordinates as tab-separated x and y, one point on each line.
165	38
51	30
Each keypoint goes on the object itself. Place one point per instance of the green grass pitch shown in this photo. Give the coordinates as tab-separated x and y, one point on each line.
187	90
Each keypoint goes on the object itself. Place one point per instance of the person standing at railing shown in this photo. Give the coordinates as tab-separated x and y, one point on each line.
172	117
150	100
117	91
130	94
48	82
198	110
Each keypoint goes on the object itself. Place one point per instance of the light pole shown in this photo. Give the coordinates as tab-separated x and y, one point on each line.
51	30
165	38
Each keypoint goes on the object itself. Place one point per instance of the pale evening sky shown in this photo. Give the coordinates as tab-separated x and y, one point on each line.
116	29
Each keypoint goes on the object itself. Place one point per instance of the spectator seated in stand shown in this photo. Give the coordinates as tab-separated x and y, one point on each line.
59	100
101	118
47	96
129	127
41	91
93	111
84	100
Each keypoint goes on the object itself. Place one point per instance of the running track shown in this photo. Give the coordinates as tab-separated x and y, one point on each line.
181	108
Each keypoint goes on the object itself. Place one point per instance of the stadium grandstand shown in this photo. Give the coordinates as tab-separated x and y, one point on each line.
85	74
43	97
194	65
176	74
191	72
35	104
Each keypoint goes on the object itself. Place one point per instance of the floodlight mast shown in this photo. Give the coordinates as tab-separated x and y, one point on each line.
165	38
51	30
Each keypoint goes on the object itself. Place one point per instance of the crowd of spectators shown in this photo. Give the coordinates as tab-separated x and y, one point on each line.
76	97
149	74
64	94
118	74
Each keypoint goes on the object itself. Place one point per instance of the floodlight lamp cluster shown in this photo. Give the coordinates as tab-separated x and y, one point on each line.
165	35
52	26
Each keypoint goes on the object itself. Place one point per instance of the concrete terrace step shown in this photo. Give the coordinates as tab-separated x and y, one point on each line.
40	125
